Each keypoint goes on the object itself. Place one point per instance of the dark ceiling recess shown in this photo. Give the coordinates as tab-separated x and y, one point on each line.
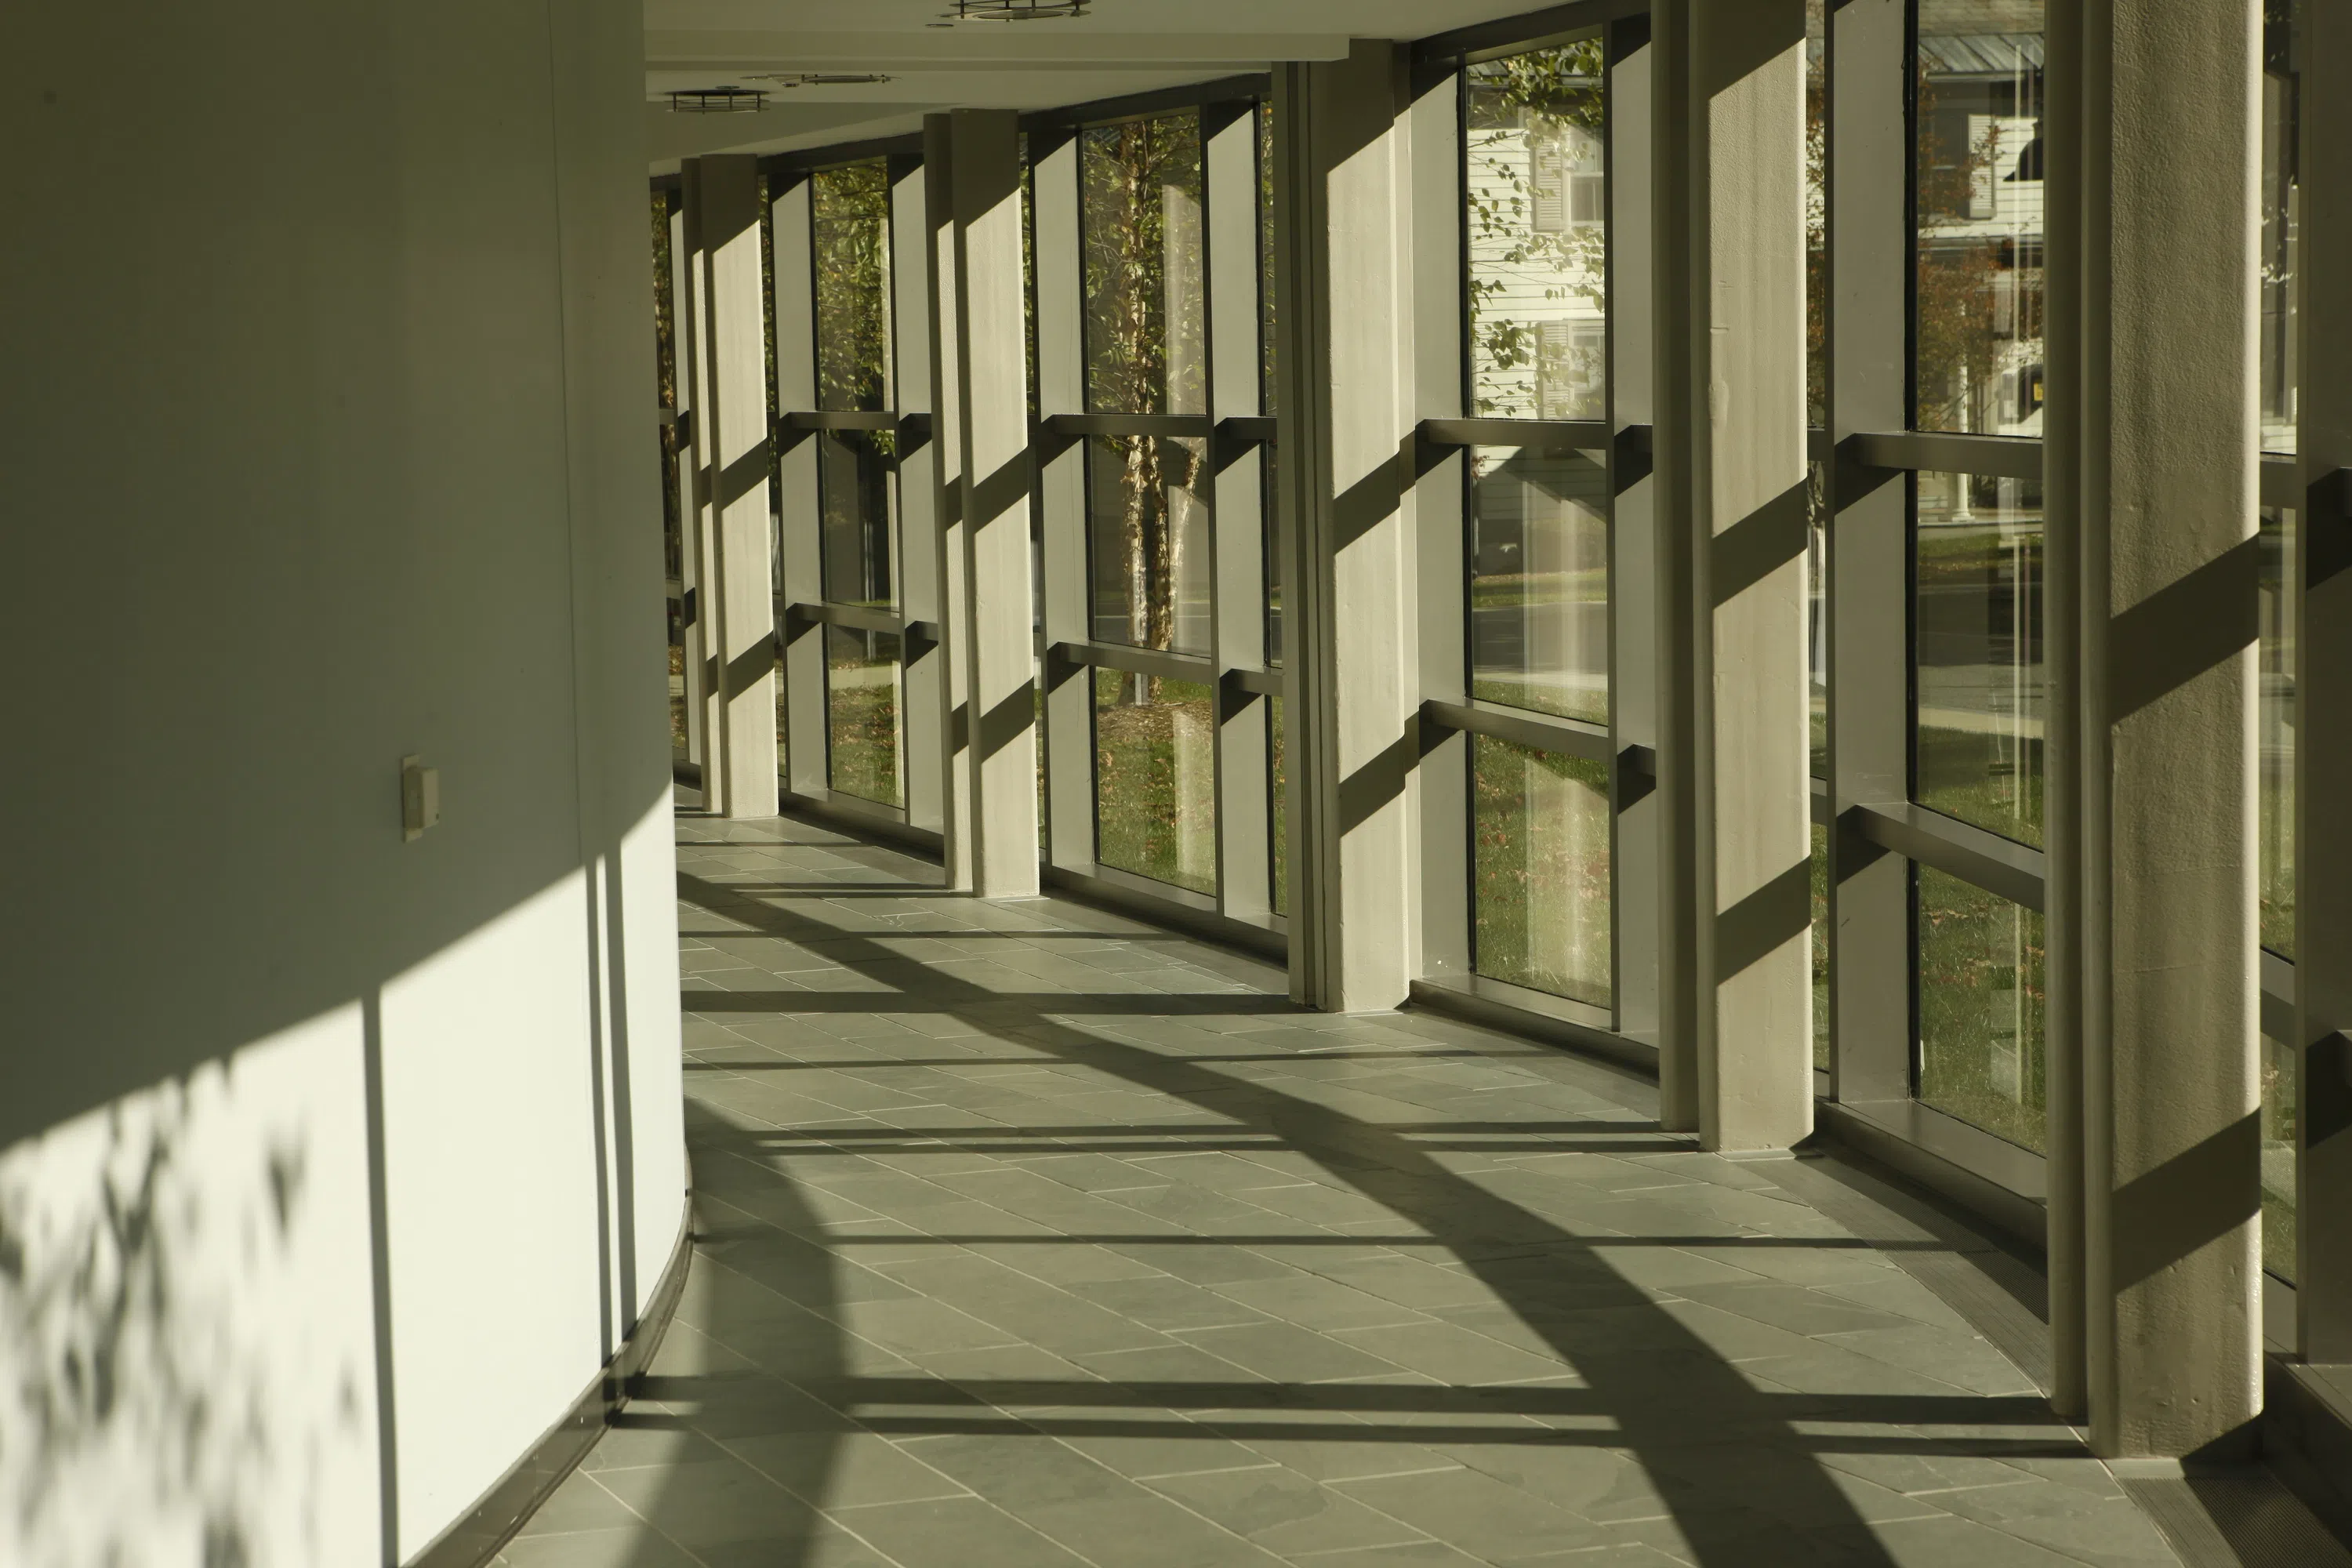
1016	10
719	100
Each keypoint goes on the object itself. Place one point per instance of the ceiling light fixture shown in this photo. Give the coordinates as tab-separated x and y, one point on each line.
823	79
719	100
1015	10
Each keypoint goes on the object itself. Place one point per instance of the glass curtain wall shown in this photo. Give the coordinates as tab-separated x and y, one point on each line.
1976	612
1148	500
1534	214
849	230
2279	374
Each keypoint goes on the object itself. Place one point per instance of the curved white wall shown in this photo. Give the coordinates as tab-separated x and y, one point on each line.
332	1166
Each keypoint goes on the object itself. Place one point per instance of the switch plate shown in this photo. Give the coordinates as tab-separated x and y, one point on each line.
420	797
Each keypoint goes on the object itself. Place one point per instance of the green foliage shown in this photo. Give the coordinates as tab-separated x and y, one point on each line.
1540	878
849	212
1543	104
1155	781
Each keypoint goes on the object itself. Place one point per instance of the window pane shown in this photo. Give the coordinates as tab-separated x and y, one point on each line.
1278	781
862	676
1976	623
2276	738
2278	1158
1977	244
1817	616
1148	522
1980	991
1821	947
1534	187
850	229
1140	189
1540	858
1155	778
1539	582
1817	246
2281	89
853	489
1273	501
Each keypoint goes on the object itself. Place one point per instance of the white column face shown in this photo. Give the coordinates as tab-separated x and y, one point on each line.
732	446
1746	262
799	505
917	492
2169	433
1000	725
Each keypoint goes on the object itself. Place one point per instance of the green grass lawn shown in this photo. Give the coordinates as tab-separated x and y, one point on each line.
1540	870
1155	779
1981	990
862	717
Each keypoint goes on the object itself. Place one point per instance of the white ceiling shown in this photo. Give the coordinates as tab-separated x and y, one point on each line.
1120	47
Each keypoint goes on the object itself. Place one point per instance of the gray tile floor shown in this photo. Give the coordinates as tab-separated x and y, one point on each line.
1029	1236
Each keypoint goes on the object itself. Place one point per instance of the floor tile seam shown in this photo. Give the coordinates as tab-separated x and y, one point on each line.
691	1554
1271	1556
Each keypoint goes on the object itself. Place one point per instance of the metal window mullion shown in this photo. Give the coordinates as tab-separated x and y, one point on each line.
807	743
915	482
1069	839
1236	512
1442	518
1868	586
2323	679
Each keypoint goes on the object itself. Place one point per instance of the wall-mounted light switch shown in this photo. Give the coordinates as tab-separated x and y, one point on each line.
420	797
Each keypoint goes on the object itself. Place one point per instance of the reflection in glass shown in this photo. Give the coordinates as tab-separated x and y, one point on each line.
1155	778
1148	526
2278	1158
1536	190
1539	582
1977	240
1278	783
1272	501
849	229
1817	619
1821	948
861	704
854	495
2275	733
1976	623
1540	869
1817	207
1980	997
1146	309
2282	218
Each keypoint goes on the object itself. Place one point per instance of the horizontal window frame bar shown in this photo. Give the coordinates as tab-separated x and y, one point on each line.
1560	1020
1247	87
841	155
1945	452
1164	427
1536	730
855	618
1198	669
1256	428
2001	866
839	419
1528	28
1555	436
1257	682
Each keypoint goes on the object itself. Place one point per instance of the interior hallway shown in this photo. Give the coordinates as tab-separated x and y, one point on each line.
1030	1236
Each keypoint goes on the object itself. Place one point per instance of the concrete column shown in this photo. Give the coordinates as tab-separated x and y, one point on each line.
733	455
1346	305
998	756
1237	548
1736	1031
2323	726
2165	527
917	553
